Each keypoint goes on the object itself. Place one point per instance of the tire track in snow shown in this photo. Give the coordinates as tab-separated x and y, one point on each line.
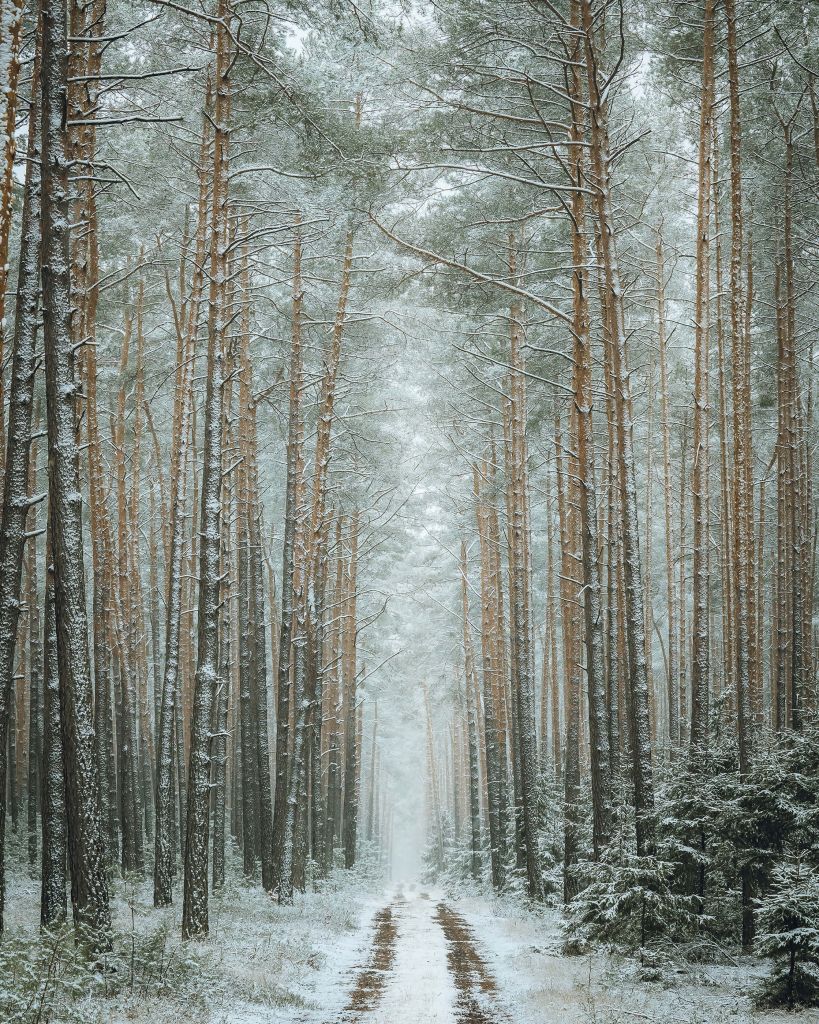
429	971
476	1000
372	978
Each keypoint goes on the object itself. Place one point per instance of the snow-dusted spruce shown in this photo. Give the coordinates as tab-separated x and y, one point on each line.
197	832
788	934
629	902
89	886
17	501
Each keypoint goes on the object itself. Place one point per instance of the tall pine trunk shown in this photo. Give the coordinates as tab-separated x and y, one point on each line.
206	680
599	748
700	652
54	846
291	516
89	886
599	156
16	498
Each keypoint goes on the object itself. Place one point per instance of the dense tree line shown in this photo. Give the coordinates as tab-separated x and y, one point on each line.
677	645
218	225
161	677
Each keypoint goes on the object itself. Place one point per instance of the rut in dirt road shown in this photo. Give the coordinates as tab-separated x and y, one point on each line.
372	978
423	967
476	1001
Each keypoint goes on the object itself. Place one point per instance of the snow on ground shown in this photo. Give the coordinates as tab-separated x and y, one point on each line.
263	964
266	964
298	964
421	988
546	987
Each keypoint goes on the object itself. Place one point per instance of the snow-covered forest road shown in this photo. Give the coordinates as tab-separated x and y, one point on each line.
423	965
422	956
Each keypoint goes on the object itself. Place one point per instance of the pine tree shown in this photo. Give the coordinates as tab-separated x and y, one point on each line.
788	934
89	887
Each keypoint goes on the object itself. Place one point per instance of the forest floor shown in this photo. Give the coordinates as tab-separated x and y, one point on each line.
355	952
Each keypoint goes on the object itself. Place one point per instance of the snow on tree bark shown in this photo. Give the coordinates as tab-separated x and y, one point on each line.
169	708
599	750
17	501
701	639
495	769
599	156
89	887
54	837
291	516
521	646
349	689
470	685
206	681
11	33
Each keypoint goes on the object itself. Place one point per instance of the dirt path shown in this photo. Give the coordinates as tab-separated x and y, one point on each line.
422	965
476	1002
372	978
